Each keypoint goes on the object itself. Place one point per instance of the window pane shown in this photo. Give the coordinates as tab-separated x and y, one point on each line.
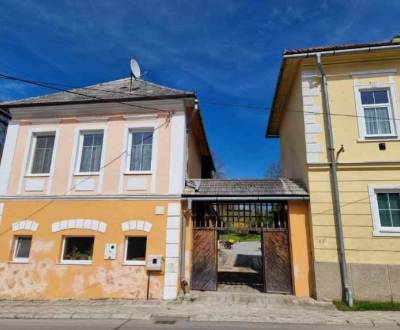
383	202
382	115
381	96
384	216
78	248
396	218
43	154
394	200
141	151
371	124
23	247
91	152
367	97
136	249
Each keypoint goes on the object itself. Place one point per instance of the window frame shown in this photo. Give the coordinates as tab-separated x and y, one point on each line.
32	149
131	131
379	230
389	106
75	262
15	259
390	85
81	135
134	262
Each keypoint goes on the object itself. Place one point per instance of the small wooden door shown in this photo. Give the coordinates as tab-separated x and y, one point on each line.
204	260
276	261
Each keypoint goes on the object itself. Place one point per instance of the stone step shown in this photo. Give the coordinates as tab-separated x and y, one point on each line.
254	298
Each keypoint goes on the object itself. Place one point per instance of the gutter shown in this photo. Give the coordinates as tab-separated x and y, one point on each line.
347	290
244	198
342	51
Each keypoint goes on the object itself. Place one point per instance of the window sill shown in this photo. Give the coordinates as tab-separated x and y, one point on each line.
138	173
76	262
379	139
134	263
24	262
86	173
386	233
38	175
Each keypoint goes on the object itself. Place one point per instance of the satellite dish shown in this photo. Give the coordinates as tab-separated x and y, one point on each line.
135	69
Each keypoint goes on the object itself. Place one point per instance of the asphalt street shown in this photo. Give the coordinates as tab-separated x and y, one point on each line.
14	324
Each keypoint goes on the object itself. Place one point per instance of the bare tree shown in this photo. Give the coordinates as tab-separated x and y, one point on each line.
219	172
273	170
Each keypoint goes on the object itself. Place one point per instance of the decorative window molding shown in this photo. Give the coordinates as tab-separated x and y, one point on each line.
136	225
391	104
25	225
146	137
21	249
379	229
84	224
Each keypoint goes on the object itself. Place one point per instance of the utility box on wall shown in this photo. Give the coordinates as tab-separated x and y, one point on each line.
154	263
110	251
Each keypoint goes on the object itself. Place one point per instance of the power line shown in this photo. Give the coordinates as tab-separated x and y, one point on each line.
223	104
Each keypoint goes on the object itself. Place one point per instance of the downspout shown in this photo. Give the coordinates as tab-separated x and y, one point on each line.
347	290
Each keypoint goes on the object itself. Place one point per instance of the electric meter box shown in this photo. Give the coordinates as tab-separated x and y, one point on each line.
110	251
154	263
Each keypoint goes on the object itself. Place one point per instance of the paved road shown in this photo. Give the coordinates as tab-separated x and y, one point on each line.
144	325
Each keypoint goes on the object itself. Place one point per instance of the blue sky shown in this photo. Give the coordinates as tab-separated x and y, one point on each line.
226	51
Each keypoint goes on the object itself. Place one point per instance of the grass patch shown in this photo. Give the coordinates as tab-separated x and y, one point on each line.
239	237
368	306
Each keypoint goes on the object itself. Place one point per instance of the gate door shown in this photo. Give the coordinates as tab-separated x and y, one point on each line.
276	257
204	258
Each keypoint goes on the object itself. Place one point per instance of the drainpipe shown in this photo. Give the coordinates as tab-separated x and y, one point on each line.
347	290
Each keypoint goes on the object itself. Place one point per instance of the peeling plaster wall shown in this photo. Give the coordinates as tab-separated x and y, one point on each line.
45	277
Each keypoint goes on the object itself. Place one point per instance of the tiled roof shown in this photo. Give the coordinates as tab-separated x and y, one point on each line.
268	187
107	91
335	47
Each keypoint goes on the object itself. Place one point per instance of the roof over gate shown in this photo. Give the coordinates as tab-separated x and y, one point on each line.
281	188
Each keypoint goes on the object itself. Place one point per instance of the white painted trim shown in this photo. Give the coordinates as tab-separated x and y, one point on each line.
177	168
373	189
139	225
53	161
84	224
28	225
154	160
29	153
8	156
73	161
133	262
369	73
393	103
103	161
123	161
93	197
74	262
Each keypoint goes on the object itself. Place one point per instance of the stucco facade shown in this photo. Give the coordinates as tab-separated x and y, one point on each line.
66	230
365	167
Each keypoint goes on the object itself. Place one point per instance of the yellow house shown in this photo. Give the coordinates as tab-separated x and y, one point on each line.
336	111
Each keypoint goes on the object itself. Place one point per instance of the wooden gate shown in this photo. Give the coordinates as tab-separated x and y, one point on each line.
276	261
204	260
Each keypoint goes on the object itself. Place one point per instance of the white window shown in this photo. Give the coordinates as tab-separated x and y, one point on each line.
90	151
22	248
42	153
386	211
77	250
140	151
135	250
377	112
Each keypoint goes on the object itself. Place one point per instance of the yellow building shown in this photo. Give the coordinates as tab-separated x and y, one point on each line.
351	171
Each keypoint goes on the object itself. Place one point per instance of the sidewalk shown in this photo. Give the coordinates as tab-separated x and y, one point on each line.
210	307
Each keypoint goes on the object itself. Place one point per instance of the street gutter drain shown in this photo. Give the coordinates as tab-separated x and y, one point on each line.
165	322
